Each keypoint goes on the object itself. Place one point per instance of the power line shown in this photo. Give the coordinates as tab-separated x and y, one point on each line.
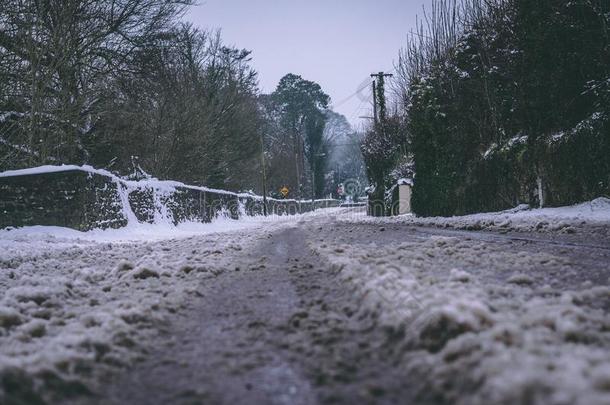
345	100
357	110
360	88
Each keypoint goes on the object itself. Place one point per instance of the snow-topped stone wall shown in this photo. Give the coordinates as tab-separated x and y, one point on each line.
74	199
84	198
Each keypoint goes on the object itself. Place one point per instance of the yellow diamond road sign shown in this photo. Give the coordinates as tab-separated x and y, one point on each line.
284	191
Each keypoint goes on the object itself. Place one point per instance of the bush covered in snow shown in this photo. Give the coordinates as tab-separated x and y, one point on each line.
501	96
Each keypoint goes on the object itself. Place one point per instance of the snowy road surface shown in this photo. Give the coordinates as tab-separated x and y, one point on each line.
325	308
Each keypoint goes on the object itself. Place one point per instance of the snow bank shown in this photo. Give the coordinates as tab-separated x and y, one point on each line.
35	236
570	219
474	329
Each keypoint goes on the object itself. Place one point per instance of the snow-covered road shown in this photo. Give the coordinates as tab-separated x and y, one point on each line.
325	308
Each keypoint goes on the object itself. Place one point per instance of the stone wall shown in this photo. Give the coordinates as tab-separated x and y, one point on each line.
74	199
86	199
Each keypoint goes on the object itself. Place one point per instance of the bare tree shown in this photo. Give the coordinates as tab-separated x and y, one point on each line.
65	51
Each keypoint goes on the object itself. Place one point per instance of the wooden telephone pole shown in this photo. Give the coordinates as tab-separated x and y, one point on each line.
264	173
376	204
374	102
379	96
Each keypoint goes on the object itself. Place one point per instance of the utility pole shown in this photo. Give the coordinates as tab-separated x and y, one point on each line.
299	160
313	185
296	162
264	175
313	179
376	204
374	103
379	96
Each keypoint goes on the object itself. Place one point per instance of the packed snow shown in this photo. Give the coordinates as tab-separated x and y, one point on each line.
468	315
592	216
473	330
75	305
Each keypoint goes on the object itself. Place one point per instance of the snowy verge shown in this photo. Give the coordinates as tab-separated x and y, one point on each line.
467	338
132	232
571	219
32	238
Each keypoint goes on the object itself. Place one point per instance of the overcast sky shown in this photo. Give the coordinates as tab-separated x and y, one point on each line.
336	43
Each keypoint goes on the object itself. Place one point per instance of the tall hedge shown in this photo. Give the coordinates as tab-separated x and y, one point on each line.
521	93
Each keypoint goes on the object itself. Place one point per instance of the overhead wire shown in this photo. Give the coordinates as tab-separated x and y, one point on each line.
348	98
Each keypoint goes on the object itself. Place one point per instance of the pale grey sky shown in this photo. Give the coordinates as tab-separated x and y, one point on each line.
336	43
